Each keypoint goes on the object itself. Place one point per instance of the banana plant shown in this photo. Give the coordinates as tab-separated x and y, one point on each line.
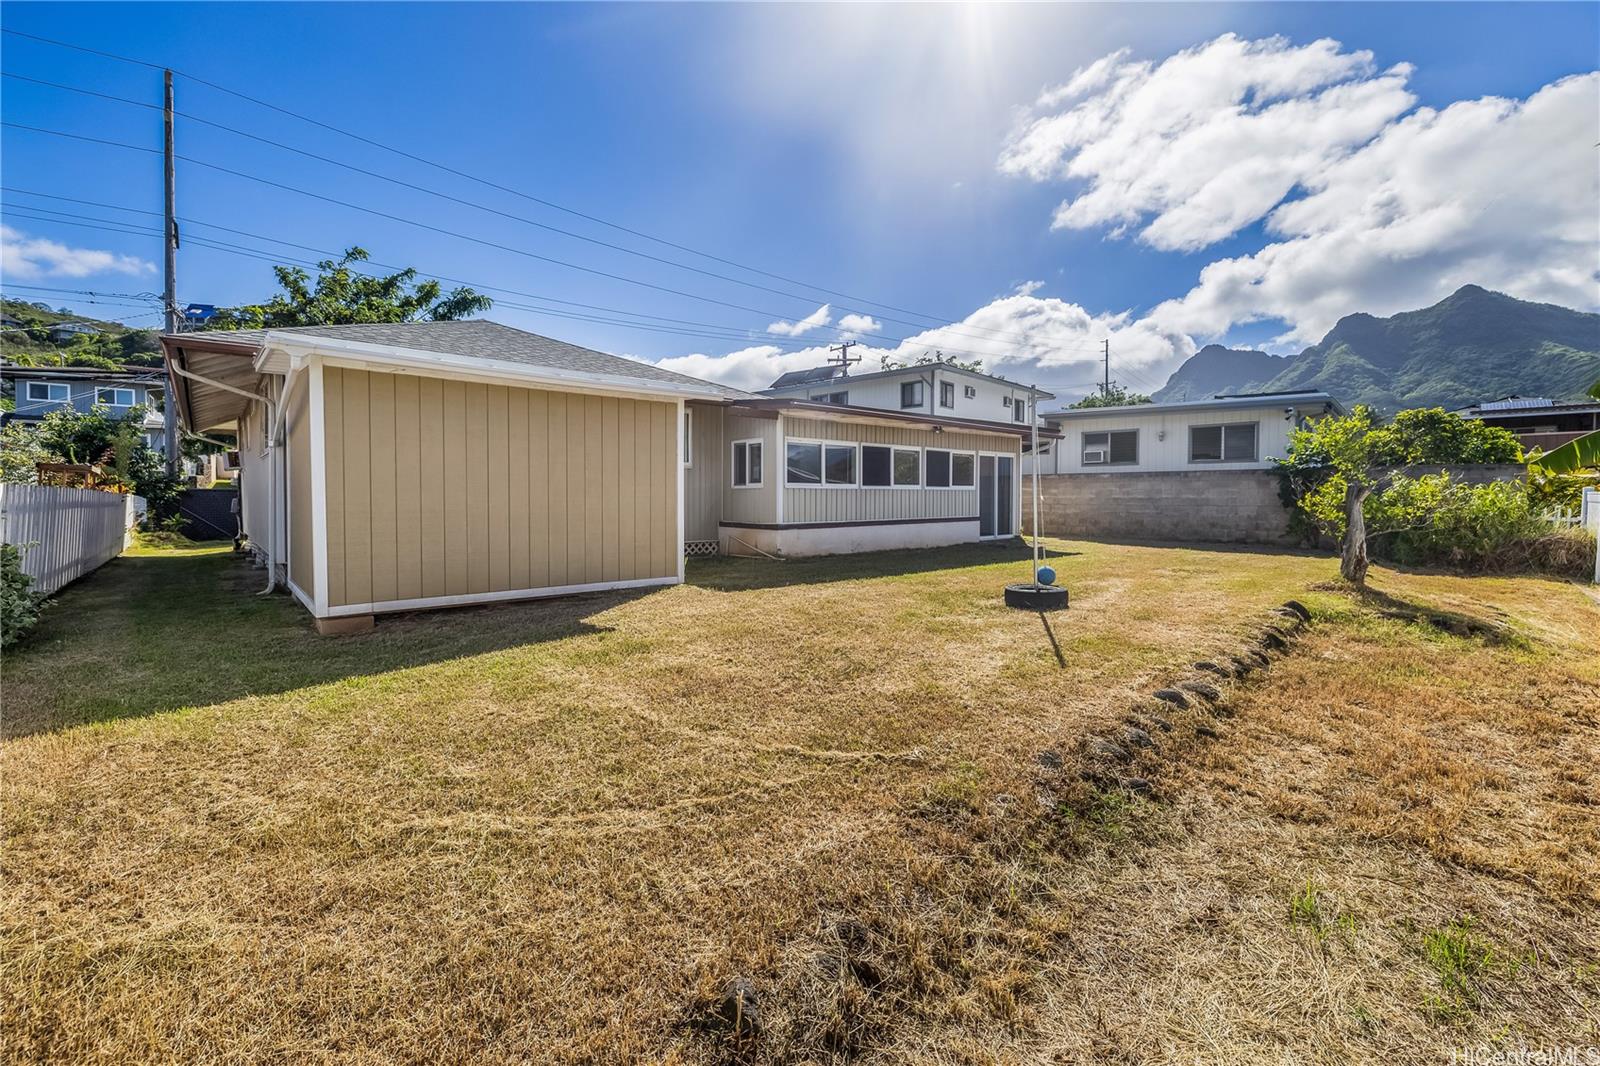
1571	457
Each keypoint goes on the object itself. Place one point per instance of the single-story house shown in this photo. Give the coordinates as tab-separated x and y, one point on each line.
1238	432
1538	422
394	467
62	332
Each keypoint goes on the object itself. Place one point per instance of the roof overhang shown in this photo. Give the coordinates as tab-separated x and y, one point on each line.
834	412
203	407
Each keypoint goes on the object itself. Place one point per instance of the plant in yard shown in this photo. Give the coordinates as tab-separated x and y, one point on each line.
19	608
21	452
1337	463
95	437
1462	959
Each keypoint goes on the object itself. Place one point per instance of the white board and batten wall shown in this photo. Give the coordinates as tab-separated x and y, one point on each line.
65	533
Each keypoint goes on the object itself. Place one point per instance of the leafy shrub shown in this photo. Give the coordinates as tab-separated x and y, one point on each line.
1436	520
19	608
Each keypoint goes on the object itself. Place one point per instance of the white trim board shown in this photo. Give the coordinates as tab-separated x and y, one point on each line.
423	603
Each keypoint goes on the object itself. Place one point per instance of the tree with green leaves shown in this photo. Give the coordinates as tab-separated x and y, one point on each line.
94	438
933	358
1337	463
1113	396
340	295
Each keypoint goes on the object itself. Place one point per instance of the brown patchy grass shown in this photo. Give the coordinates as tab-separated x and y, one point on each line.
555	831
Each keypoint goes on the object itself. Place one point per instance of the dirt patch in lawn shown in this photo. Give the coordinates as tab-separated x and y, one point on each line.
619	827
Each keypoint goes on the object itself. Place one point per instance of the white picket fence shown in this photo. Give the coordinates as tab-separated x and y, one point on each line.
1589	518
65	533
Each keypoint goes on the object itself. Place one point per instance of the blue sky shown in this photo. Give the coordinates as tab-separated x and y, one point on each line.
860	149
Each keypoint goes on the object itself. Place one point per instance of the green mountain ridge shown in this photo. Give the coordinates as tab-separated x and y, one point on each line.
1473	345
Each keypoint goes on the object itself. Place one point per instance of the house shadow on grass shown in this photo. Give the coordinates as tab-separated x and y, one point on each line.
739	573
149	634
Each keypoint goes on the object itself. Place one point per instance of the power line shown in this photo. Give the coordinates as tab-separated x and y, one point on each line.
490	184
742	333
940	322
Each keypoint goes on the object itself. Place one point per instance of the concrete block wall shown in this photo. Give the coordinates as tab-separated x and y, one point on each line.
1226	506
1217	506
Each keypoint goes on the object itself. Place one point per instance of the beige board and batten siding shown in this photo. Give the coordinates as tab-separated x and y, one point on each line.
704	473
752	504
297	422
444	488
808	504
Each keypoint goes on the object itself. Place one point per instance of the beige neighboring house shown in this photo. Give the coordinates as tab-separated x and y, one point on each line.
396	467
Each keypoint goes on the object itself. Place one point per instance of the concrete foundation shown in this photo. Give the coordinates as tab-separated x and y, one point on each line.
846	539
345	625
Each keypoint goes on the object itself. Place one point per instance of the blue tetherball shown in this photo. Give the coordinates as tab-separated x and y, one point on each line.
1047	575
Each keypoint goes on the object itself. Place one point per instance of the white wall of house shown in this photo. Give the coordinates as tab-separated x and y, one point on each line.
972	396
1164	438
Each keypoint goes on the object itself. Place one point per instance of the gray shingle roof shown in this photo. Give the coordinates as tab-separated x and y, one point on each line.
481	339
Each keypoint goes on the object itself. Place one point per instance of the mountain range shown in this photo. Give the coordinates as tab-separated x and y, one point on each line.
1473	345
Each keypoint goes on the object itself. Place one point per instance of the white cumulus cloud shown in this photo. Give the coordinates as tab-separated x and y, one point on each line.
859	324
822	316
22	256
1192	149
1369	203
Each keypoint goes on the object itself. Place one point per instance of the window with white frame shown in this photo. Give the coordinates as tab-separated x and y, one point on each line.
688	437
949	470
1114	447
886	467
1234	442
747	472
114	397
48	391
911	393
812	463
947	394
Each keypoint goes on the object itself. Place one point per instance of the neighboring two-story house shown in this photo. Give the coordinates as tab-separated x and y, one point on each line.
938	389
1538	422
38	390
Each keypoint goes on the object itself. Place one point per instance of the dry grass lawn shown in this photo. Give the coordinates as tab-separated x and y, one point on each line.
555	832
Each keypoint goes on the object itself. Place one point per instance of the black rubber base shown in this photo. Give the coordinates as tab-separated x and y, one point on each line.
1036	597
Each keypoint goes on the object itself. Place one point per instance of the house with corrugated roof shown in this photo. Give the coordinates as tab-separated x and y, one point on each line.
396	467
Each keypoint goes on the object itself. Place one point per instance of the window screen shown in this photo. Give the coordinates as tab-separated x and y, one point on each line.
804	464
938	469
1205	444
1239	443
876	466
907	467
839	465
1235	443
947	394
911	394
963	471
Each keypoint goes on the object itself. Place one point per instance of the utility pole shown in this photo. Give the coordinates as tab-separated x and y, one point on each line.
845	359
170	231
1105	389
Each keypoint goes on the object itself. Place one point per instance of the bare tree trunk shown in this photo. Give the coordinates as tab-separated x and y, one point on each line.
1353	552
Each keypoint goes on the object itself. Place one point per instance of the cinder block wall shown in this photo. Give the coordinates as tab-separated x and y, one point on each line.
1229	506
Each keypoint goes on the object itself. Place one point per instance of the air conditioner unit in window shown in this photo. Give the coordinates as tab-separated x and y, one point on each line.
1094	455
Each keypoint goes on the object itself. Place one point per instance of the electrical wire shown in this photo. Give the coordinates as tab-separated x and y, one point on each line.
484	181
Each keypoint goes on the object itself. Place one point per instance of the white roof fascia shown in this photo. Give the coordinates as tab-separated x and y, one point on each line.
388	357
